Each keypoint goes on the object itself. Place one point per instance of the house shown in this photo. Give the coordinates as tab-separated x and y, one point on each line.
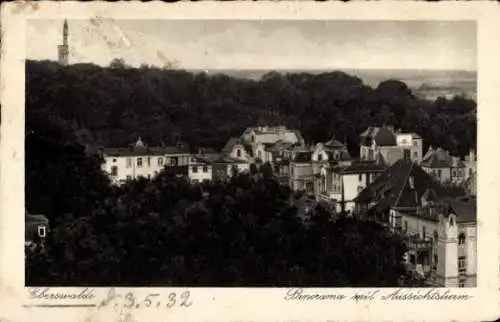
446	168
270	135
373	138
389	144
199	169
36	228
301	172
412	142
438	224
238	149
226	166
140	160
349	180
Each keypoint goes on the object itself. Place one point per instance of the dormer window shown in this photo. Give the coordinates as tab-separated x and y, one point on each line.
320	157
238	153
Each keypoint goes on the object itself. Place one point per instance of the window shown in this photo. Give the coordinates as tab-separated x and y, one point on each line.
415	154
114	160
461	284
360	177
149	161
139	162
129	162
129	178
205	168
415	143
406	225
260	154
470	171
195	169
424	232
114	171
160	161
462	264
461	239
253	138
439	173
238	153
453	173
174	161
459	173
41	231
320	157
436	235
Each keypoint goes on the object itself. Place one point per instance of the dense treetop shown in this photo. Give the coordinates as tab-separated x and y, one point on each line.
113	106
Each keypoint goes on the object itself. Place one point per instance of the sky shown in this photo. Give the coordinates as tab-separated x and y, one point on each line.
254	44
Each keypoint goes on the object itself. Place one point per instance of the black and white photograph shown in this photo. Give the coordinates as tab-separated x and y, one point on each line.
250	153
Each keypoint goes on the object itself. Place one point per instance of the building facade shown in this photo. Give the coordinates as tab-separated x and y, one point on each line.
139	160
438	225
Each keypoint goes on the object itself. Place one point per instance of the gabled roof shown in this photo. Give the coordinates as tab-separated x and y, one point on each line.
465	210
230	145
333	144
439	158
401	185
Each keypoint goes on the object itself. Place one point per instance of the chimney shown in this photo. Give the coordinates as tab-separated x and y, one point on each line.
406	155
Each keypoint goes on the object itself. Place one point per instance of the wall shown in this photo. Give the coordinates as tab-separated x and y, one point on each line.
200	175
445	173
299	172
134	171
243	156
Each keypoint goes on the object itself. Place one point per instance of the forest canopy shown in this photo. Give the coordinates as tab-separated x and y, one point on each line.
113	106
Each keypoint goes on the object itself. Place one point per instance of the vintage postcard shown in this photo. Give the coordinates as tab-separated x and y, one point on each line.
246	161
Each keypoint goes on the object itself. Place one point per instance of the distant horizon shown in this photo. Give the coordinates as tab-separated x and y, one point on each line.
276	69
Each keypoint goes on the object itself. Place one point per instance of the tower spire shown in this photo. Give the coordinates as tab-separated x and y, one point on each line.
64	48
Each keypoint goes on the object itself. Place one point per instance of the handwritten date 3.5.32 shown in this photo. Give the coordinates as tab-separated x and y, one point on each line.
129	300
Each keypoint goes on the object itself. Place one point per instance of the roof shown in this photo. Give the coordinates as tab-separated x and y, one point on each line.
382	136
35	219
401	185
464	209
208	157
230	145
334	144
361	167
439	158
140	149
228	159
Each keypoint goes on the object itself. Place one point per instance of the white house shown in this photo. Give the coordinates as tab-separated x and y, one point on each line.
139	160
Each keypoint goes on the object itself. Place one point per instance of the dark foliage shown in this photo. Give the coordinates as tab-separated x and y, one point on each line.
245	232
115	105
